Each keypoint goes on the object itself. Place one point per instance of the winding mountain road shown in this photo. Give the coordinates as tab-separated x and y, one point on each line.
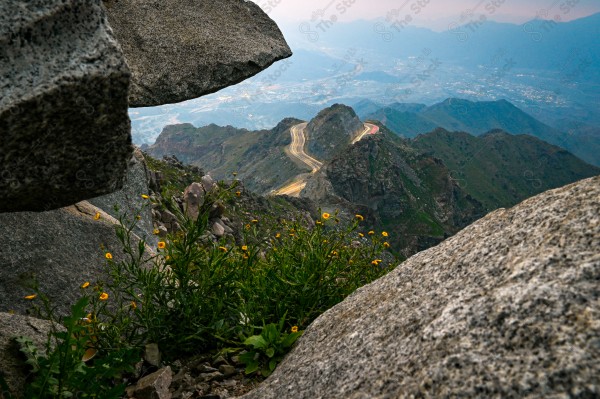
296	150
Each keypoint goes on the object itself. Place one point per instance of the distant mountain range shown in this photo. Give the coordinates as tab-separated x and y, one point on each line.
422	188
476	118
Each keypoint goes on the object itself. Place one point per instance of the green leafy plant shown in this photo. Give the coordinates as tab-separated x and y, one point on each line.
60	370
268	348
192	295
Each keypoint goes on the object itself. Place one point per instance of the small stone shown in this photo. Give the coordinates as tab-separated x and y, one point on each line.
227	370
235	360
205	368
208	183
193	198
219	361
168	217
152	355
218	230
228	383
162	231
207	377
155	385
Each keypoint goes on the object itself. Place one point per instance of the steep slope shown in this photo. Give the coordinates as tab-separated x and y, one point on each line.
257	156
403	123
412	196
331	130
478	118
499	169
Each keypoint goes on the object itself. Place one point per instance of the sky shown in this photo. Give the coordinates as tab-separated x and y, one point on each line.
433	14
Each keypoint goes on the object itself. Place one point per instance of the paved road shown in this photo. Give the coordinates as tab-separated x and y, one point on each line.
296	150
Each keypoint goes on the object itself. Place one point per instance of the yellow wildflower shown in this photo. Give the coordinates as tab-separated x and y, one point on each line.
361	235
318	222
295	329
325	216
138	217
156	232
277	235
386	244
223	249
133	305
103	296
162	245
97	216
324	241
247	227
234	174
384	233
30	297
359	217
375	263
238	193
244	248
254	221
144	196
245	256
108	256
85	285
371	232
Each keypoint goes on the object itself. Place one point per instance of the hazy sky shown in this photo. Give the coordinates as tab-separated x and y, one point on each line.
436	14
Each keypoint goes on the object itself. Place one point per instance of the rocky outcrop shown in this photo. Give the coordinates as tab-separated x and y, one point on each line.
181	49
60	249
12	362
410	195
128	202
63	109
331	131
508	307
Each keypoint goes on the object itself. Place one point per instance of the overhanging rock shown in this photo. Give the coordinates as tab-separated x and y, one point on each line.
181	49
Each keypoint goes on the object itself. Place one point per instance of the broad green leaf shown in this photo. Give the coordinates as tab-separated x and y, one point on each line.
290	339
257	341
270	352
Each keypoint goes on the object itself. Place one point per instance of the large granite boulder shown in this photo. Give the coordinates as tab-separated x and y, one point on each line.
508	307
12	362
63	108
181	49
129	203
60	249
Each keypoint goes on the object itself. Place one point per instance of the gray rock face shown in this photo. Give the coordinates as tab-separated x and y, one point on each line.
63	108
12	362
129	199
331	130
181	49
61	248
508	307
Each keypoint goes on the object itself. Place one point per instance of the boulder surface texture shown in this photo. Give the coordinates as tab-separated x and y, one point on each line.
60	249
13	369
63	104
508	307
181	49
